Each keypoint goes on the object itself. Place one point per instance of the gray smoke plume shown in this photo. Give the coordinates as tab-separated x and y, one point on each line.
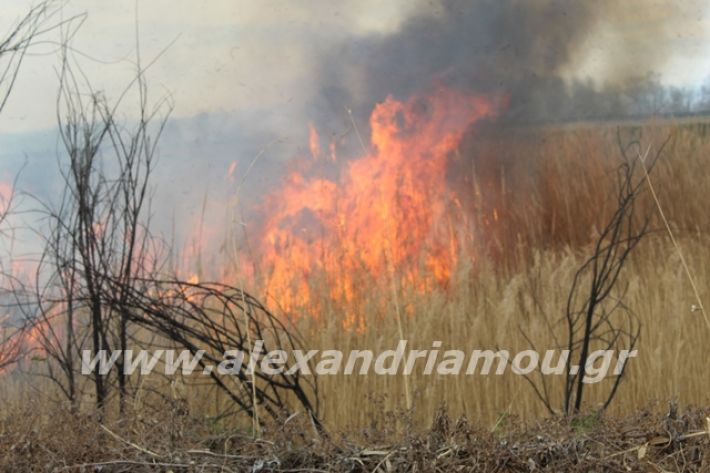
522	48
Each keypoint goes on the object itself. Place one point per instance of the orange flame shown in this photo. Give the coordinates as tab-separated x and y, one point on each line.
313	141
388	213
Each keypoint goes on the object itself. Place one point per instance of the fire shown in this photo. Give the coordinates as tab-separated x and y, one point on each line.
313	141
16	343
388	214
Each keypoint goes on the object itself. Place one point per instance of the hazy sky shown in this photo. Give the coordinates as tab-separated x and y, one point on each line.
223	55
240	56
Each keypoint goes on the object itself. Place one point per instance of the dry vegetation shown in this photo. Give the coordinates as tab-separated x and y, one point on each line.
552	193
171	440
533	202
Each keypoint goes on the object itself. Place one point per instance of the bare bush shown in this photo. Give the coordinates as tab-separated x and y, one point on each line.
215	319
99	279
596	317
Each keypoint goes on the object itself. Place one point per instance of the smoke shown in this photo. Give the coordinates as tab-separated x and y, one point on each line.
289	66
532	50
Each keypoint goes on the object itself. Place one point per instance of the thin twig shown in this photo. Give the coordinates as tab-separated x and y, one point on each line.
642	159
127	442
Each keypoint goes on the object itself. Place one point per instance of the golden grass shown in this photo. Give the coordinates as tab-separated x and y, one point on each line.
552	190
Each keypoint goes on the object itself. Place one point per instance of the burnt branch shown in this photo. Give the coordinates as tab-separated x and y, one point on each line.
596	317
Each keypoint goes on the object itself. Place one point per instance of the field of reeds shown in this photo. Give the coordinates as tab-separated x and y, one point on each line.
552	189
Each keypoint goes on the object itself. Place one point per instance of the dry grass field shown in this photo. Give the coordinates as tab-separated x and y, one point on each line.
437	236
557	193
552	190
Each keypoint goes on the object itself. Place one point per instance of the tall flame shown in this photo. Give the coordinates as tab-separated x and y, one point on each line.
387	212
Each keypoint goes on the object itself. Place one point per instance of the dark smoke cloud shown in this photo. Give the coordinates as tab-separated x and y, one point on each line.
522	48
